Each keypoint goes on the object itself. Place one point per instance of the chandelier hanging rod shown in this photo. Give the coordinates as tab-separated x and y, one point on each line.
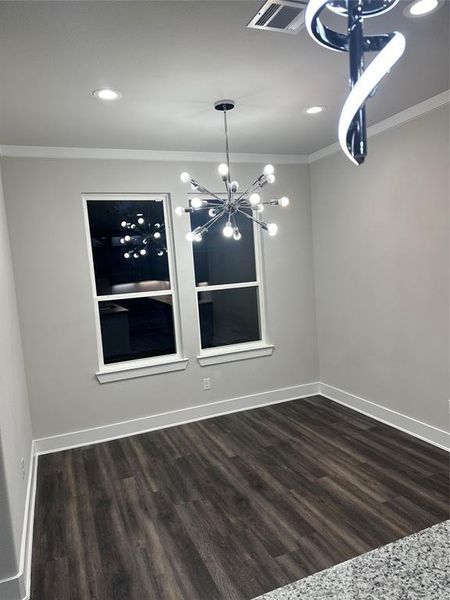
227	147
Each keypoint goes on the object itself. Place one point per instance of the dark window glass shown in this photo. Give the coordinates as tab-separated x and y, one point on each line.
229	316
128	259
220	260
137	328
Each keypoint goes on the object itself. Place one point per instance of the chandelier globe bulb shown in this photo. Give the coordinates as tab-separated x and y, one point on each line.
223	169
196	203
228	230
236	234
272	229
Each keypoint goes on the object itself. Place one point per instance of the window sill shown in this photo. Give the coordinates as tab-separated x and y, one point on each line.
141	369
231	354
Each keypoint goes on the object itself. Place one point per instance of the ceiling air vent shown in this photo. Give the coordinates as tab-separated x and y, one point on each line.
280	15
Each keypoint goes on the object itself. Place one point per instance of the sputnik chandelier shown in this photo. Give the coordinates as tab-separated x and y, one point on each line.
141	236
352	131
248	203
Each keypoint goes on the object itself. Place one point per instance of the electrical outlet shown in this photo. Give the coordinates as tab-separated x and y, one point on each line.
207	383
22	465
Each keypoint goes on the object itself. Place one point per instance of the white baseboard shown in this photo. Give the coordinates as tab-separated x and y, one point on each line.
18	586
428	433
75	439
104	433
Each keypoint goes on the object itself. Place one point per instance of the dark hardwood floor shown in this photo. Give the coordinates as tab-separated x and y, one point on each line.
230	507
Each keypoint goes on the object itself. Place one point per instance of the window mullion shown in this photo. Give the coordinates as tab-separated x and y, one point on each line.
226	286
156	293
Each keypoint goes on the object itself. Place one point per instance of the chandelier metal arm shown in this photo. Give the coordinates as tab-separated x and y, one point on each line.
252	218
211	222
203	190
209	205
258	183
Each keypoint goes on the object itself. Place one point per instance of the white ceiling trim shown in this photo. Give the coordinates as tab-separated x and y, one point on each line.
173	156
151	155
399	119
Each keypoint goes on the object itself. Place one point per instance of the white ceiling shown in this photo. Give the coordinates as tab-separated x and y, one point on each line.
171	60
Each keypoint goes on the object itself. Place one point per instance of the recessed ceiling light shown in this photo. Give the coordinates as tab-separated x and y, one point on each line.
422	8
107	94
315	110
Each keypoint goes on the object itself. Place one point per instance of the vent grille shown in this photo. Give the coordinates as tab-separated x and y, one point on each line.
273	8
280	15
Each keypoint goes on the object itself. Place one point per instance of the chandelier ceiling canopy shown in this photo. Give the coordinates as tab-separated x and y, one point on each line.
352	130
226	208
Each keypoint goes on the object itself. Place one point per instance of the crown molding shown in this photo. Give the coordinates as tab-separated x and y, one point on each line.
180	156
398	119
150	155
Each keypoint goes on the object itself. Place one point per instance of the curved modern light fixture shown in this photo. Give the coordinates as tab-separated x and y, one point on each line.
352	131
248	203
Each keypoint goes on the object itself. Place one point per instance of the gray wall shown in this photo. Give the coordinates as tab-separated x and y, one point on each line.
57	311
382	272
15	430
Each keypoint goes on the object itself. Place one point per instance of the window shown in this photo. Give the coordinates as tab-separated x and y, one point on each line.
132	279
229	290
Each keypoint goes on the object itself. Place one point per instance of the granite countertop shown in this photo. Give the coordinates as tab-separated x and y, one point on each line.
415	567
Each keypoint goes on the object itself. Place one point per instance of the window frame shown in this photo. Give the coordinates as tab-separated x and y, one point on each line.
143	366
243	350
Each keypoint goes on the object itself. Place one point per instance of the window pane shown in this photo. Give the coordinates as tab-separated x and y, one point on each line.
229	316
220	260
128	259
137	328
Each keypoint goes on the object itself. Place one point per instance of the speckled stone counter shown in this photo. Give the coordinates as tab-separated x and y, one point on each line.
415	567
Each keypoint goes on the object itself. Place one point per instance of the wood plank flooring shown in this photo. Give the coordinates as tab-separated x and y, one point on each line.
231	507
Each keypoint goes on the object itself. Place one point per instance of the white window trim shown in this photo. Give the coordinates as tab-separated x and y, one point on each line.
235	352
145	366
